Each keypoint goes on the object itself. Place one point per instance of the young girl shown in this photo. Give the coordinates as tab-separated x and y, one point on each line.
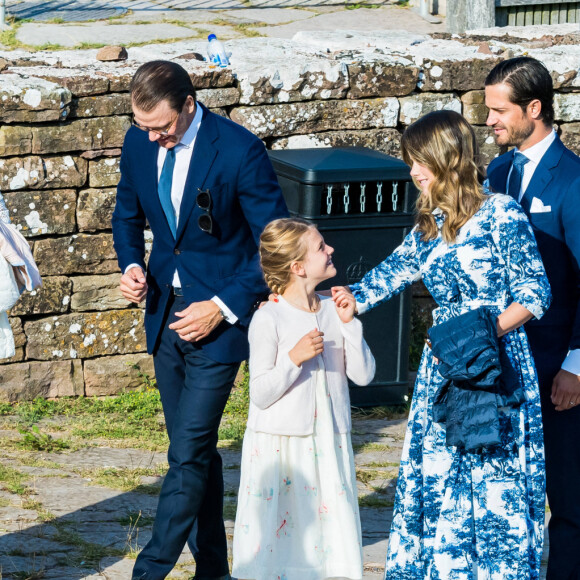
298	515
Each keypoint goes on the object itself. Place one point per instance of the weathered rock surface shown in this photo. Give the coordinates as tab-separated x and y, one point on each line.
456	75
316	116
386	140
42	173
571	136
567	107
101	106
488	149
37	213
30	100
76	254
85	335
474	109
104	172
294	81
26	381
53	298
79	81
95	209
80	135
383	78
99	371
214	98
97	293
420	104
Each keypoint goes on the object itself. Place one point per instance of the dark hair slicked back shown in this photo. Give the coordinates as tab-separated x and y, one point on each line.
161	80
528	80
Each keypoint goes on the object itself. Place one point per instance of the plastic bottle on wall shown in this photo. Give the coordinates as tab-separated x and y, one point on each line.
216	52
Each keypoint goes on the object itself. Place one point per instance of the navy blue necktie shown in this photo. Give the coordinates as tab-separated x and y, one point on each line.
164	189
515	180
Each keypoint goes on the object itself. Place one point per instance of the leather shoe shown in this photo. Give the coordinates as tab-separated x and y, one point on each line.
225	577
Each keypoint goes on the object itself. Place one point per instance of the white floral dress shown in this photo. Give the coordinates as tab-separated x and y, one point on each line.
298	516
461	515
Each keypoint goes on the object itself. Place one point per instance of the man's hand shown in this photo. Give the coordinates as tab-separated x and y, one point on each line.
197	321
565	390
134	285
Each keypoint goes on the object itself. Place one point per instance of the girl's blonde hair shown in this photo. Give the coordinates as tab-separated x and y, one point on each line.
444	142
281	243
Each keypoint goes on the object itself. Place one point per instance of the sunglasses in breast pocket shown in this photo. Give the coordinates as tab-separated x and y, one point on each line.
205	204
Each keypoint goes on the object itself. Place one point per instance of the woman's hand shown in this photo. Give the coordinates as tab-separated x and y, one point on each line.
345	302
309	346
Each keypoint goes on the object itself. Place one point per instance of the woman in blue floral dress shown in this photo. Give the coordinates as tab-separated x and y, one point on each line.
461	515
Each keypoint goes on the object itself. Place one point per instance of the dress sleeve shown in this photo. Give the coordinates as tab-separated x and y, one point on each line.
358	358
391	277
527	278
271	373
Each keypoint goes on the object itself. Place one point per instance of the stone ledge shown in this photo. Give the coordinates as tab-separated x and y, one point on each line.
26	381
85	335
42	172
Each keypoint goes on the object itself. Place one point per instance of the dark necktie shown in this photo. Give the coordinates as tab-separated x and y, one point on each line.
515	180
164	189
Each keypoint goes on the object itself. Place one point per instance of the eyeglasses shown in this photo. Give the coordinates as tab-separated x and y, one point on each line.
163	131
204	202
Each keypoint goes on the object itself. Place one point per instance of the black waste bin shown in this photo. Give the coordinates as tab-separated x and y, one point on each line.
362	202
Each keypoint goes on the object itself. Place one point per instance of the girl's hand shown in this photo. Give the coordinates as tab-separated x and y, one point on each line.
345	303
309	346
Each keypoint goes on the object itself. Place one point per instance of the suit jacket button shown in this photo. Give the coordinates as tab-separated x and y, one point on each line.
177	251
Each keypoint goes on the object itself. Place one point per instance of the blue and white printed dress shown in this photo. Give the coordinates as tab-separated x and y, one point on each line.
459	515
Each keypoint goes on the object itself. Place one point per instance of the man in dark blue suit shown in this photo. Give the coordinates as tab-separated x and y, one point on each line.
207	189
544	176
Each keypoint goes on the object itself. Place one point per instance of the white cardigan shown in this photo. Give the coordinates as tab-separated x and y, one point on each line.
282	394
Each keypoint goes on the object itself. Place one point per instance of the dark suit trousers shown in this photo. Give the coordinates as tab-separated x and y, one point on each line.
562	445
194	390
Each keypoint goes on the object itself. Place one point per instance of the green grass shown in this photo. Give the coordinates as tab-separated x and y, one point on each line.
8	37
12	480
389	413
230	510
124	479
132	419
34	440
136	519
374	502
358	5
82	554
366	447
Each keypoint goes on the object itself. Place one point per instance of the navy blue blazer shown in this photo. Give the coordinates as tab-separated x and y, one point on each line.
556	183
233	164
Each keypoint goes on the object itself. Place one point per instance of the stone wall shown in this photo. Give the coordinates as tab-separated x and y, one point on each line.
64	117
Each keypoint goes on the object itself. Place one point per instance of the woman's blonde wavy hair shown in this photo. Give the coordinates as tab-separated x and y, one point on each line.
444	142
282	243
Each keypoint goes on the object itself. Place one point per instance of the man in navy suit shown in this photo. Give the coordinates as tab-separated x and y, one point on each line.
207	189
544	176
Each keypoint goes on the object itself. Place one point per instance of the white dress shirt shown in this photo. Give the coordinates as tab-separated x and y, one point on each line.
183	154
534	154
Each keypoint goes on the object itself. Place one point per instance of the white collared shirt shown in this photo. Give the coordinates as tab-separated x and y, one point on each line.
183	154
534	154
